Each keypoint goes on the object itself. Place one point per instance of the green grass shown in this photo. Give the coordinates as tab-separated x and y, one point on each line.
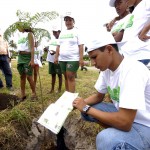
15	123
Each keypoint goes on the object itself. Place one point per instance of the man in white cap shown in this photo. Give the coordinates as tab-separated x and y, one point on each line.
128	83
4	63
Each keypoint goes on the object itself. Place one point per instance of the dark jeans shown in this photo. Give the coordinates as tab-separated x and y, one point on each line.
5	67
145	61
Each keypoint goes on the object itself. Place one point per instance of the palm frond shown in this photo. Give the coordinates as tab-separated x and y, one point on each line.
40	33
23	16
33	20
43	17
10	31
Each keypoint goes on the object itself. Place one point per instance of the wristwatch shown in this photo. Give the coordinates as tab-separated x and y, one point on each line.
86	108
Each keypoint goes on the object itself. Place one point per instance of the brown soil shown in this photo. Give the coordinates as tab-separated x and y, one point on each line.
7	101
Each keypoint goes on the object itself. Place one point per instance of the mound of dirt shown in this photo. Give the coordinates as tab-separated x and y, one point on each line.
8	100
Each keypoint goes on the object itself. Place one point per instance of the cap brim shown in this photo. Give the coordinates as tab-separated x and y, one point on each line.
68	17
112	3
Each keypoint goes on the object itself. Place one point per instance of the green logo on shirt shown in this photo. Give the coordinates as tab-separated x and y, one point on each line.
66	36
54	43
130	22
114	93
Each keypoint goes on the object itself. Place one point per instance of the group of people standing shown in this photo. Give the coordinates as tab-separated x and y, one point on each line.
121	51
65	55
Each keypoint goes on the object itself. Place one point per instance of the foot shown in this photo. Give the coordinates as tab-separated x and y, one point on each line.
10	88
34	98
51	91
59	91
22	99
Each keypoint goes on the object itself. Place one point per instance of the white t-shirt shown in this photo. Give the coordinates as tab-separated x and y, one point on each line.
52	46
129	87
69	41
131	45
119	25
37	56
23	44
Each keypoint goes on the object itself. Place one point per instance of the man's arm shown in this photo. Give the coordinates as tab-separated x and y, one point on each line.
121	120
143	34
95	98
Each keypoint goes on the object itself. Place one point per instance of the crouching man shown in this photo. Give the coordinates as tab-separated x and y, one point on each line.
128	84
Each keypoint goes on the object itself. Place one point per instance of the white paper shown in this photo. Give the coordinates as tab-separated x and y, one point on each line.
56	113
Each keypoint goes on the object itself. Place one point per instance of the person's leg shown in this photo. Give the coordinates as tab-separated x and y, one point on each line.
63	66
7	71
113	139
59	82
22	85
106	107
71	81
53	83
59	74
66	82
1	83
32	85
53	76
29	72
36	70
71	70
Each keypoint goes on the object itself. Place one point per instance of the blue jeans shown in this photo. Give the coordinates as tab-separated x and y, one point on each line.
5	67
145	61
138	138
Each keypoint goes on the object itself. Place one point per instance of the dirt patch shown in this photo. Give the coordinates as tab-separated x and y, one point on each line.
8	100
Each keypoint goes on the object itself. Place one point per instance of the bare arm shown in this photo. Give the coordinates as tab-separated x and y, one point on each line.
81	55
57	54
143	34
118	36
94	99
121	120
31	45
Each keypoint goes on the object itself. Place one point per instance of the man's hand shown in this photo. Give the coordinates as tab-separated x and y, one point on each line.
143	36
31	63
79	103
56	60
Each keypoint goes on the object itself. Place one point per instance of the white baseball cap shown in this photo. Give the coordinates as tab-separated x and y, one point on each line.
69	14
55	28
112	3
99	38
